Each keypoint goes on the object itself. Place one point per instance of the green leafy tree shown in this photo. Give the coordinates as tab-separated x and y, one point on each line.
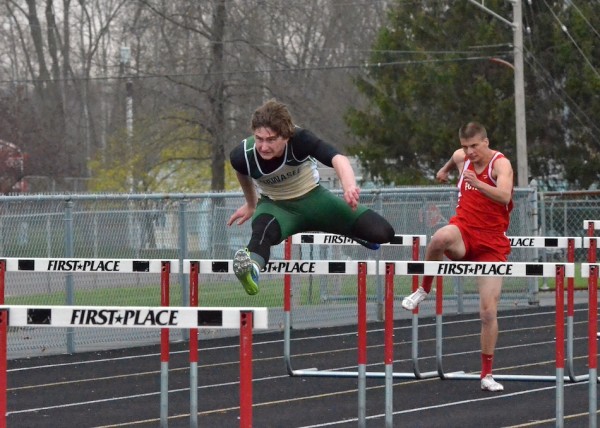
437	66
562	60
577	75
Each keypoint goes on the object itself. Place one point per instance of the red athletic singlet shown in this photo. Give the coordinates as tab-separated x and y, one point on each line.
477	210
482	222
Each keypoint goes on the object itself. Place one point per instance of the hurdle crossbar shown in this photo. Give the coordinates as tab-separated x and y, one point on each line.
79	265
333	239
131	317
281	267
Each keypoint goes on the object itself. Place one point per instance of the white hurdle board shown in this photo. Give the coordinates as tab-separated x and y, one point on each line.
587	240
137	317
298	267
350	267
520	269
333	239
544	241
75	265
596	223
407	240
585	269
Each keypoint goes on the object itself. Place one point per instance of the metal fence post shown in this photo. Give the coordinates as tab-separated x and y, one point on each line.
532	283
380	288
69	287
183	254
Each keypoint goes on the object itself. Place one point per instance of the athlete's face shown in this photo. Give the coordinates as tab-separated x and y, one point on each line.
475	148
268	144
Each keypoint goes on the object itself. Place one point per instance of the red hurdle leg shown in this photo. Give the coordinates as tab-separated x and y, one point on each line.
390	271
287	278
560	343
593	243
439	311
194	272
287	307
571	280
164	347
593	343
362	343
246	369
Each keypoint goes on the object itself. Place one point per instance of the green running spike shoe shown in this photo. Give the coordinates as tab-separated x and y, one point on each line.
246	270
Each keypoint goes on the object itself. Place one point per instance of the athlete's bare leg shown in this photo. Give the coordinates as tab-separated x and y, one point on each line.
489	295
446	240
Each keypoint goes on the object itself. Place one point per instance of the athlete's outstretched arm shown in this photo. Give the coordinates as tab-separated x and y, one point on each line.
246	211
457	160
345	173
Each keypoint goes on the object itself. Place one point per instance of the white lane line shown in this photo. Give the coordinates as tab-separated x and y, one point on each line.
439	406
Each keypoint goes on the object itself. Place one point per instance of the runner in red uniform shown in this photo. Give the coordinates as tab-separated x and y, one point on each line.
477	232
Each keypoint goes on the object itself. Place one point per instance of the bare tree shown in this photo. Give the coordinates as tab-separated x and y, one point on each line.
244	51
215	60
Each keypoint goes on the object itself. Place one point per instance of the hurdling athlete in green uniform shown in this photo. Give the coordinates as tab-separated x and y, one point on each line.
280	159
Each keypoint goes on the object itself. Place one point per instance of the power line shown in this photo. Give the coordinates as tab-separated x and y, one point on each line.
585	19
365	64
586	122
577	111
566	31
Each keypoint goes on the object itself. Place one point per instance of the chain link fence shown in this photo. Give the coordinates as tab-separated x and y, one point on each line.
563	213
191	226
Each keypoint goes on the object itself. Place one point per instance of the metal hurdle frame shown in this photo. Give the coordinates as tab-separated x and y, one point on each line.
192	267
337	267
414	241
86	265
246	319
394	268
569	243
557	270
